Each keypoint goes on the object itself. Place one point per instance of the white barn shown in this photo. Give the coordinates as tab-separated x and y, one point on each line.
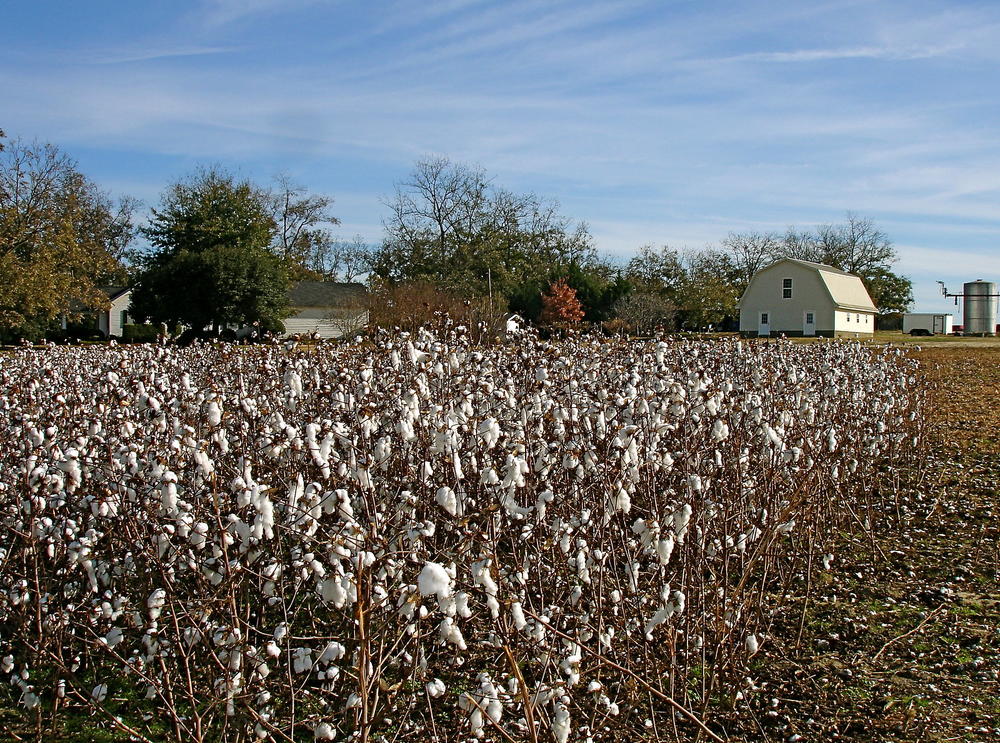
799	298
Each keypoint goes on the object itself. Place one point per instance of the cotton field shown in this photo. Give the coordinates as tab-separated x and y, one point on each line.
414	538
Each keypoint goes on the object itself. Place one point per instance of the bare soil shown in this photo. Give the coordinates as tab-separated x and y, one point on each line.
902	640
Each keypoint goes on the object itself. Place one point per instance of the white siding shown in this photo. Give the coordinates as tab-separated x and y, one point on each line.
119	307
851	322
324	323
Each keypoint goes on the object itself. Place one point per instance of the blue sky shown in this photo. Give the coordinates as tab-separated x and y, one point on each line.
655	122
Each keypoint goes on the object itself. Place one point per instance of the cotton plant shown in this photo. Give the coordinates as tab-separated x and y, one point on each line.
417	533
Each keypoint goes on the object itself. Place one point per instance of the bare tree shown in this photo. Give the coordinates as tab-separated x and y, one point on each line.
449	225
749	252
302	220
343	260
645	311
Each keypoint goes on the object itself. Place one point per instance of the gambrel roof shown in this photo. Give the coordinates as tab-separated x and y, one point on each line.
846	290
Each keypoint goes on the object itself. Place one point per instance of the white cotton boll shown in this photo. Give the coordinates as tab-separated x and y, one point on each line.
447	499
434	581
462	605
301	660
665	549
99	693
333	651
323	731
114	637
678	601
720	430
450	633
623	502
752	644
280	632
435	688
659	617
827	560
561	723
517	612
214	414
682	518
155	603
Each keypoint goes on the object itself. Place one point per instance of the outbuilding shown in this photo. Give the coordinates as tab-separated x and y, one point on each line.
928	323
793	297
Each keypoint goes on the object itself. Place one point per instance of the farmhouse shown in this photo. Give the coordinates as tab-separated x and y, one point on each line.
109	321
800	298
326	309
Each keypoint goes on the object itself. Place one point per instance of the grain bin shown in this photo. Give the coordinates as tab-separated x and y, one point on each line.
980	312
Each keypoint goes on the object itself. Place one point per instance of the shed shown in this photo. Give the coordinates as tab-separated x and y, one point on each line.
928	323
326	309
800	298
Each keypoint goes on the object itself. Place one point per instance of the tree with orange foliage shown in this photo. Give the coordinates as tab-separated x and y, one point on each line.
560	305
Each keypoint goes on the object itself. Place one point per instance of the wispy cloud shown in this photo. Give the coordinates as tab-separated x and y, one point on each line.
215	13
154	53
845	53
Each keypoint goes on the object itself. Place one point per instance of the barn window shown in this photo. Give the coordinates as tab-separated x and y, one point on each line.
786	288
763	318
124	318
810	318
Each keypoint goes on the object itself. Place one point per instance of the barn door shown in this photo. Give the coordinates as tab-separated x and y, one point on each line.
764	327
809	322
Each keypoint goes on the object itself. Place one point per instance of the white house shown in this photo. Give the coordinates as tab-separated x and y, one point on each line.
801	298
326	309
112	320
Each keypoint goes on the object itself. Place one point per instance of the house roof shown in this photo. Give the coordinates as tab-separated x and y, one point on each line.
325	294
114	292
847	290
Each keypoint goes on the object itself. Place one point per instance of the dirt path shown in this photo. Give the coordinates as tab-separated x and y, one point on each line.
903	641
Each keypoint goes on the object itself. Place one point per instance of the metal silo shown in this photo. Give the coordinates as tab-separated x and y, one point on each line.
980	312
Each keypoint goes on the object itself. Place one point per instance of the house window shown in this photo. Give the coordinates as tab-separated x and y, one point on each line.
810	318
786	288
763	318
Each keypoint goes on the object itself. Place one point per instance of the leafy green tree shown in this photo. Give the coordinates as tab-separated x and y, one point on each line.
60	239
889	291
211	264
708	293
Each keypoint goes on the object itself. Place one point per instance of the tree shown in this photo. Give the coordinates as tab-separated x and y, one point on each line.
857	246
643	311
60	238
211	265
748	252
449	225
656	271
560	305
890	292
302	237
708	293
344	260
